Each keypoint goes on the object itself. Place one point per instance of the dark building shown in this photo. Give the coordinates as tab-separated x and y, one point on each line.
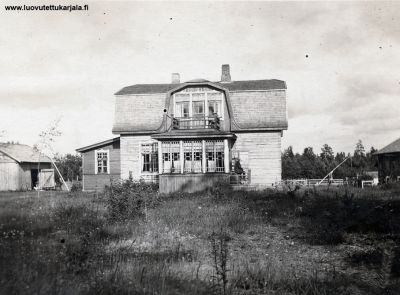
389	162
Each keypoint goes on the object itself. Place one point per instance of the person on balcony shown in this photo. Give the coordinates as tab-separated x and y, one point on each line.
214	122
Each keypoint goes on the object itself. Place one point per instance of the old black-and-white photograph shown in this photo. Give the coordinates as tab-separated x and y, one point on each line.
216	147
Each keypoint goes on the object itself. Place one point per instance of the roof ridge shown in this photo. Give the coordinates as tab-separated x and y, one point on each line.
204	80
245	85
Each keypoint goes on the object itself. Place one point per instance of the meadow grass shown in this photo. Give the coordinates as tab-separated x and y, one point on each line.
131	240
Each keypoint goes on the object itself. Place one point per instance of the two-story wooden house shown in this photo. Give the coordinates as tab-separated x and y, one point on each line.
186	136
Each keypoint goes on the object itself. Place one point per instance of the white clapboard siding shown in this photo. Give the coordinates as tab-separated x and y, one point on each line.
130	155
9	176
264	155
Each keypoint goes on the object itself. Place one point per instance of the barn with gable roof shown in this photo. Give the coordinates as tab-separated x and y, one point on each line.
24	168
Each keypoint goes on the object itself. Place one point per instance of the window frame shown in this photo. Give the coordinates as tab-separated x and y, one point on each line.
215	152
197	105
170	153
209	95
153	155
180	105
193	153
216	104
96	163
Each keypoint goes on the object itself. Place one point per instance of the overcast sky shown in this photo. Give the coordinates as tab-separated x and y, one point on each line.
341	63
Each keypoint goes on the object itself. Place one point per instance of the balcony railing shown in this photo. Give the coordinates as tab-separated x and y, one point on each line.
243	178
196	123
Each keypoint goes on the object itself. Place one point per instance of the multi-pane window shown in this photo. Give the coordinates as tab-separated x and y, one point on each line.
215	104
182	109
171	157
214	107
182	105
193	154
198	102
149	153
102	161
198	108
215	156
193	158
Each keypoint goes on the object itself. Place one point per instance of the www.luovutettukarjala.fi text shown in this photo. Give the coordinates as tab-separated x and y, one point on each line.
69	8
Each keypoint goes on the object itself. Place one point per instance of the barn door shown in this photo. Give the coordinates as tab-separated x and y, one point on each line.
46	179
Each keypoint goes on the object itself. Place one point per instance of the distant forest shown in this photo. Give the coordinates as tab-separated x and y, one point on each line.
314	165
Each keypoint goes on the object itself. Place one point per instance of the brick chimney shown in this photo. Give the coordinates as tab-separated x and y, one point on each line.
226	74
175	78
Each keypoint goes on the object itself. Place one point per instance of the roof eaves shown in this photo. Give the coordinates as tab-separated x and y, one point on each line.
187	84
393	147
89	147
8	155
137	94
243	85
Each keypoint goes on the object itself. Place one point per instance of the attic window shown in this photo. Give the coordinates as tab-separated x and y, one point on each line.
198	102
102	161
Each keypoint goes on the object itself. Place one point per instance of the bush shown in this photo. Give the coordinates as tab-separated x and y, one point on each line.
129	199
76	187
220	190
393	187
369	257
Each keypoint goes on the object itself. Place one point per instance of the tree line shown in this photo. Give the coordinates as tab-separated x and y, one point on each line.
314	165
70	167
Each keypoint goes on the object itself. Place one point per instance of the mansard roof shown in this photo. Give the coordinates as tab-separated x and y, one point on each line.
258	105
247	85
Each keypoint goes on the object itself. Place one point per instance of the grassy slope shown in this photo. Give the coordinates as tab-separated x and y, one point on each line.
308	242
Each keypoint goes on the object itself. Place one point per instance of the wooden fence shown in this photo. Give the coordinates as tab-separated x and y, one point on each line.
312	182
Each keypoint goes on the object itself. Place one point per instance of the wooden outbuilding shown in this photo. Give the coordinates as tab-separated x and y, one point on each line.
188	136
100	164
23	168
389	162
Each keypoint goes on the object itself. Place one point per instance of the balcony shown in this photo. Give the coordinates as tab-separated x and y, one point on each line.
179	123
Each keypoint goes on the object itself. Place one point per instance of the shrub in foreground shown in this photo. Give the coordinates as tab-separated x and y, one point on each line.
129	199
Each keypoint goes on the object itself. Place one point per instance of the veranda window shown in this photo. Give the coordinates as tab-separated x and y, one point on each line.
149	157
215	156
192	156
102	161
171	157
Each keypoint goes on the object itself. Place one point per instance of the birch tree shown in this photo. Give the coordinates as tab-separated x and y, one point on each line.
45	146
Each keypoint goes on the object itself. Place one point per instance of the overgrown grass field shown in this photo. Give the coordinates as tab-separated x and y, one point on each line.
131	240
